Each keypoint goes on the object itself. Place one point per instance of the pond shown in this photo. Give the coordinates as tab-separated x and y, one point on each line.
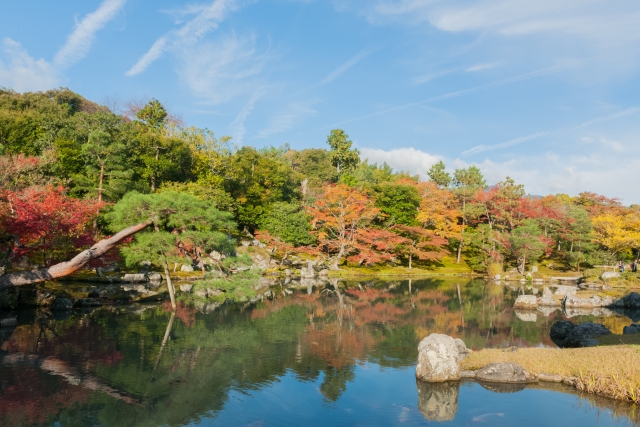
309	357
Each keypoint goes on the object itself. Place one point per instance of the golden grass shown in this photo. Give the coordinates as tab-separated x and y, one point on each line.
612	371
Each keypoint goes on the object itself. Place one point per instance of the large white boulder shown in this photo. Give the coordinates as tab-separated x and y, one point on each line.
438	359
526	302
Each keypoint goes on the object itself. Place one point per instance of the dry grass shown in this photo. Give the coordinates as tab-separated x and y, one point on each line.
611	371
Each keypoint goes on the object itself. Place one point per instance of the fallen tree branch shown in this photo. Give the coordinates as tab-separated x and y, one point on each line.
76	263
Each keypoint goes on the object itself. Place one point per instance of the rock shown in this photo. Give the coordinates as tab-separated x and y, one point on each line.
546	292
526	316
571	381
438	359
550	378
154	277
534	291
504	373
584	335
308	271
87	303
609	275
438	401
547	301
62	304
467	374
201	293
497	277
630	301
288	272
560	330
526	302
186	268
572	301
463	351
566	290
9	323
631	329
45	298
324	274
186	288
534	269
9	298
138	277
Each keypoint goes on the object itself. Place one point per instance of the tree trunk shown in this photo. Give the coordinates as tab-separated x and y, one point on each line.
410	261
100	184
76	263
459	252
464	222
172	294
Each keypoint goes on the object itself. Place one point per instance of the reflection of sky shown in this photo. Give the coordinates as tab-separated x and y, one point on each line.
388	397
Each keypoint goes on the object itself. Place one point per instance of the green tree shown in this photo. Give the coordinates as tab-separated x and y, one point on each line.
256	181
466	182
153	115
288	222
103	158
343	157
399	203
526	244
184	228
439	175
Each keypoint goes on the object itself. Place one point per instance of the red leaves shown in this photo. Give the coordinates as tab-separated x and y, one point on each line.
46	220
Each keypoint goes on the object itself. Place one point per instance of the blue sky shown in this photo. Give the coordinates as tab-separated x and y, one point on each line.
546	91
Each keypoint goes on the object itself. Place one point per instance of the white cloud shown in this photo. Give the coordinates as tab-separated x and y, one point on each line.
207	19
21	72
592	20
236	128
79	41
402	159
286	119
515	141
223	69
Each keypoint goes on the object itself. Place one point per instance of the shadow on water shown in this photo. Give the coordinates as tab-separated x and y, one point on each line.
344	349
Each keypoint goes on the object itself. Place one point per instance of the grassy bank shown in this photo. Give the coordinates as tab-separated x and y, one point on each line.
445	267
607	370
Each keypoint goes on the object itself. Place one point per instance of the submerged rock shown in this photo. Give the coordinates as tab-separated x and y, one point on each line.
560	330
526	302
438	359
566	334
504	373
503	387
631	329
630	301
62	304
438	401
527	316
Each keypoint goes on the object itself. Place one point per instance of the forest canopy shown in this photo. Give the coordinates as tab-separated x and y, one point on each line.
65	162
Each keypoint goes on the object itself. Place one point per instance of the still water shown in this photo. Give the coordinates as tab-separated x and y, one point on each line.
328	355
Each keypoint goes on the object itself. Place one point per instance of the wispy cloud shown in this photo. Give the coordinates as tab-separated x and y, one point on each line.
346	66
515	141
430	76
220	70
286	119
450	95
80	40
207	19
23	73
236	128
484	66
619	114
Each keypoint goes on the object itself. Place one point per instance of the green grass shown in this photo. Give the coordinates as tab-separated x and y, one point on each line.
447	267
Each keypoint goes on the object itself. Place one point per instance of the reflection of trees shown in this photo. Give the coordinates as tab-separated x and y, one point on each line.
322	335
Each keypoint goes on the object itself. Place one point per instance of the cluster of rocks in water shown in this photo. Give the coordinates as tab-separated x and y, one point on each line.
438	375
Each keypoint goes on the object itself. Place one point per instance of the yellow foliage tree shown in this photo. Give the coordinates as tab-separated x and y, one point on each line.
618	233
438	210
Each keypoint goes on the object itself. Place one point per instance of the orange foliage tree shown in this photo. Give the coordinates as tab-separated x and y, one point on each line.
340	218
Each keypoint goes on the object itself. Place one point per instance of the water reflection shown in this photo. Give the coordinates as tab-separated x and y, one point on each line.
142	365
